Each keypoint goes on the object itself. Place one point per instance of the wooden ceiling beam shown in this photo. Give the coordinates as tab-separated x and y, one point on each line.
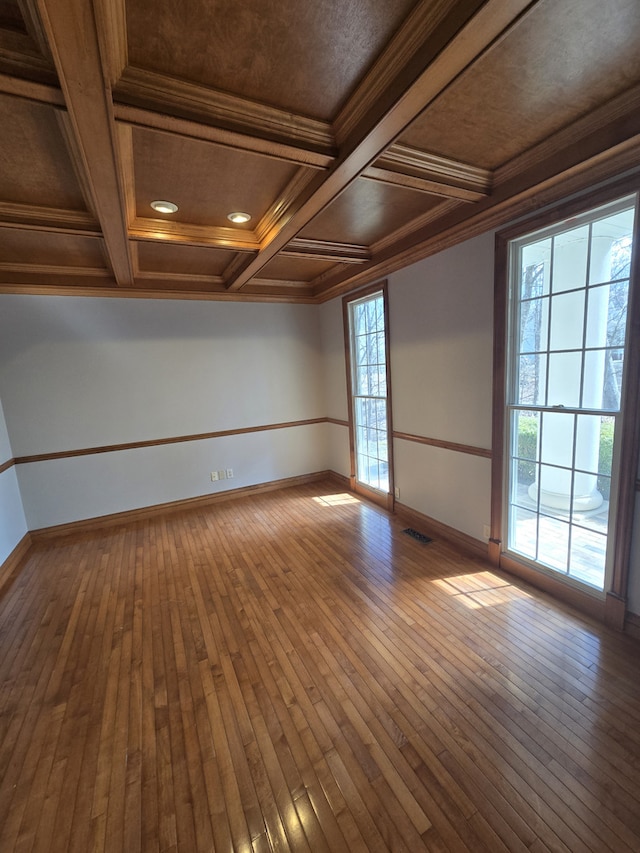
459	39
159	102
71	32
325	250
430	173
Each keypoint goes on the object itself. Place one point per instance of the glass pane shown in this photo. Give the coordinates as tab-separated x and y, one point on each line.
556	445
362	382
564	379
570	250
523	532
602	379
617	313
532	378
567	320
524	470
535	263
607	315
555	488
553	543
359	319
534	319
611	247
588	552
588	437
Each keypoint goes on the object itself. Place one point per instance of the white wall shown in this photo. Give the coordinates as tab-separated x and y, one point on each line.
13	525
78	373
335	385
441	335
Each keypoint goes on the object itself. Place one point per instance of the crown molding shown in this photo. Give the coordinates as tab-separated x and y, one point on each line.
154	230
167	103
325	250
432	173
56	220
30	90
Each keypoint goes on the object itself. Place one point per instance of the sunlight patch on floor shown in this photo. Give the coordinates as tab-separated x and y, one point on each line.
336	500
480	589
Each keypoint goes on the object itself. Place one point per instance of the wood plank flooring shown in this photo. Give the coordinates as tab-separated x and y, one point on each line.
290	671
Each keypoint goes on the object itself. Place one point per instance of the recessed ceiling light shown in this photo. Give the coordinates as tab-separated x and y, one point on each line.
164	206
239	218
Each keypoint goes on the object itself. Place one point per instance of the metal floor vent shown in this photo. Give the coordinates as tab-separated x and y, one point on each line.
416	535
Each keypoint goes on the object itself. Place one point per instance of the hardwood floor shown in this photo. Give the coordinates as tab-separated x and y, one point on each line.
290	671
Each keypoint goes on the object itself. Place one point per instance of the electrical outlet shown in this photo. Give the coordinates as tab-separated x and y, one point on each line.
222	474
214	476
486	531
396	492
229	473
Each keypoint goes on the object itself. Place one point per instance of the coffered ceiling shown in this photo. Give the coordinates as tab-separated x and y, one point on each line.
360	135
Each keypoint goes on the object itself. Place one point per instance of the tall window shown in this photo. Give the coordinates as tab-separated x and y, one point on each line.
370	415
569	288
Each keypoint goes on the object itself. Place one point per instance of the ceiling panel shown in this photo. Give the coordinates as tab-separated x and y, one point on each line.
36	167
187	260
206	181
368	211
563	59
295	269
39	248
301	56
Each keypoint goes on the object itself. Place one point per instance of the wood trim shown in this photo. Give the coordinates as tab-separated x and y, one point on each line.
145	97
112	27
500	307
380	498
25	284
414	182
324	250
435	528
103	522
157	442
630	435
445	445
420	170
41	93
4	466
22	55
560	590
338	422
615	611
91	120
51	219
50	269
300	183
186	234
632	625
13	563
